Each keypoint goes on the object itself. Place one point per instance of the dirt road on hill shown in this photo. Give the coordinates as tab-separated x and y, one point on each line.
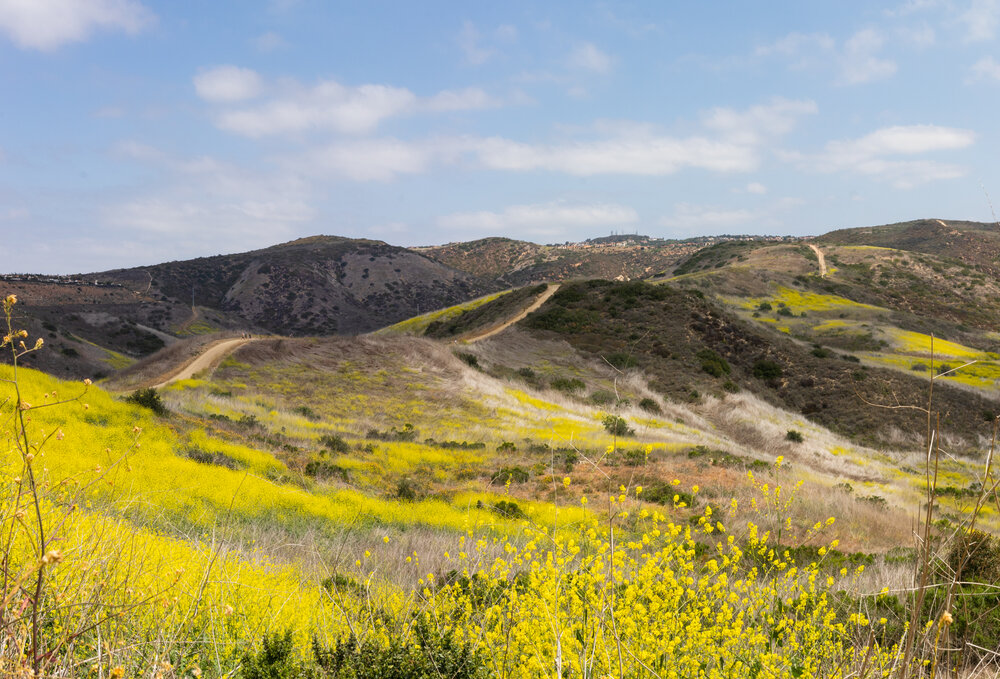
493	330
211	356
821	258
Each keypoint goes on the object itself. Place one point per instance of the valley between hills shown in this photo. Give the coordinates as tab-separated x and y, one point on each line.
606	457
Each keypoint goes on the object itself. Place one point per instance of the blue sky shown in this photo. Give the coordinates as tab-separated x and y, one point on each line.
134	131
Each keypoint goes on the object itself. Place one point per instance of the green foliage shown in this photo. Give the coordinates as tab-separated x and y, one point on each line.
335	443
731	387
511	474
764	306
408	491
978	554
617	426
433	656
509	510
650	406
794	436
275	660
664	494
307	412
766	370
602	397
324	469
712	363
621	360
506	447
469	359
148	398
407	433
568	385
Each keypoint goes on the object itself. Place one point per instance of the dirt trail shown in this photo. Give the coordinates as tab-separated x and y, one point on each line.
211	356
492	330
941	223
821	258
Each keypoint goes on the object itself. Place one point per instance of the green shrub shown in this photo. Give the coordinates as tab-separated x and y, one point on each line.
650	406
275	660
469	359
306	412
433	656
407	490
731	387
512	474
334	443
764	306
712	363
766	370
506	447
602	397
148	398
979	555
324	469
617	426
509	510
794	436
568	385
621	360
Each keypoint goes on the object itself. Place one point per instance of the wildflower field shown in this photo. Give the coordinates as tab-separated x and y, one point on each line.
380	521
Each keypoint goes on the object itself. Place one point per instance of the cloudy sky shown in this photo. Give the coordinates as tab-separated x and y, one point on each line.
139	131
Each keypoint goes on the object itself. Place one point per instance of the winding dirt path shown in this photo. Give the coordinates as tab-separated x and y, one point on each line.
821	258
211	356
493	330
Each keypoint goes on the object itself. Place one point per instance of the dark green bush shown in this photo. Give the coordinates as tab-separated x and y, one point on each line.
512	474
617	426
334	443
794	436
621	360
306	412
650	406
433	656
148	398
568	385
766	370
469	359
275	660
712	363
602	397
509	510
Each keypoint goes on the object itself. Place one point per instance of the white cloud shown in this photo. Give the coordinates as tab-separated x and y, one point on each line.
469	99
469	42
887	154
370	159
227	84
625	155
48	24
734	141
980	20
545	218
860	62
269	41
986	68
206	204
688	218
756	188
588	57
349	110
758	123
795	45
506	33
857	60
